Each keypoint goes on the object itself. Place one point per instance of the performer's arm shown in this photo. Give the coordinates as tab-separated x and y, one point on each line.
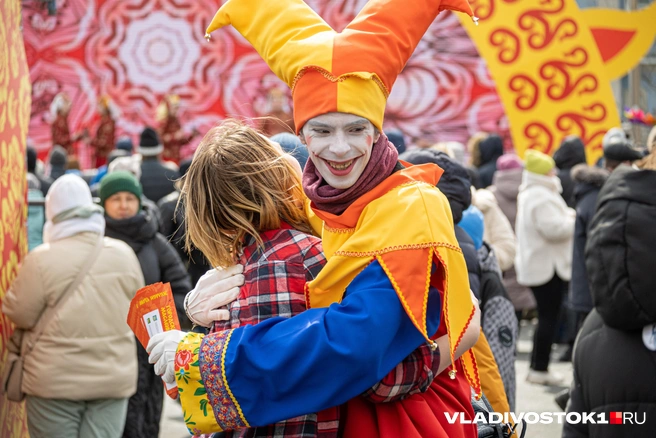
282	368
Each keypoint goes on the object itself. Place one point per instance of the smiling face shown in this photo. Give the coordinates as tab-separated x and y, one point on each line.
339	145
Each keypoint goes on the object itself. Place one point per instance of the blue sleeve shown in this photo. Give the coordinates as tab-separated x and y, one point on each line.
283	368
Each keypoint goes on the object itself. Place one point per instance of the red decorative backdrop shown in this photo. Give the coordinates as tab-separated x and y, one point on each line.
138	51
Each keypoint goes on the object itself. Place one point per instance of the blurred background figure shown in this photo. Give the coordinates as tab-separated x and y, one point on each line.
156	177
545	229
44	181
277	117
127	220
174	228
570	153
87	352
57	162
103	142
505	188
170	129
619	335
484	151
35	212
292	145
619	152
397	139
60	108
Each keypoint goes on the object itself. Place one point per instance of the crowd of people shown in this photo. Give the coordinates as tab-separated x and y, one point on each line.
534	236
334	281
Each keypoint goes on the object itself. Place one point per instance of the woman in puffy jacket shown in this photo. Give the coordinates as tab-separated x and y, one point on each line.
120	194
545	231
83	368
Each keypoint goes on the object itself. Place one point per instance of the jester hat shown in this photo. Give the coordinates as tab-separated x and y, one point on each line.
350	72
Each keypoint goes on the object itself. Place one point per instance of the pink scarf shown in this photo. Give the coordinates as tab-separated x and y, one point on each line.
384	157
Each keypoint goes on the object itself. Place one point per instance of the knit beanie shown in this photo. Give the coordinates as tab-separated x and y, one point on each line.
509	162
537	162
120	181
149	143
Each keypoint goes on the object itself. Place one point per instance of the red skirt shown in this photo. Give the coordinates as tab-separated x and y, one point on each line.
418	416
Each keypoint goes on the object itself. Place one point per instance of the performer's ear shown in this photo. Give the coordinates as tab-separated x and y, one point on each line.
376	135
301	136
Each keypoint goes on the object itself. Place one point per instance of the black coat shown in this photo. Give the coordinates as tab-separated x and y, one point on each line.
588	181
158	259
491	149
157	180
613	369
471	258
570	153
173	228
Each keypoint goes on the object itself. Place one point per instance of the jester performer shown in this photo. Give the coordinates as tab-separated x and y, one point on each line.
394	267
170	128
60	108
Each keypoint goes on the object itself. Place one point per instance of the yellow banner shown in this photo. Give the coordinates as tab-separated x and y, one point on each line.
548	71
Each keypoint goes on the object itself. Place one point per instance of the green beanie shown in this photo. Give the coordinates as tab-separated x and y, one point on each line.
120	181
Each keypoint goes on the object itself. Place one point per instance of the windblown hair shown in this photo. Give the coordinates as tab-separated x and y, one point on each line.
239	184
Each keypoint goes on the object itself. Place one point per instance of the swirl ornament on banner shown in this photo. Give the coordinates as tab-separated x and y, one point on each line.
138	52
14	119
549	72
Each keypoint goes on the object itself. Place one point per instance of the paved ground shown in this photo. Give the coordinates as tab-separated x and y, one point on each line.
530	398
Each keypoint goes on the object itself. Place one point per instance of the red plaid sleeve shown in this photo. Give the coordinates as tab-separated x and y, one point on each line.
412	376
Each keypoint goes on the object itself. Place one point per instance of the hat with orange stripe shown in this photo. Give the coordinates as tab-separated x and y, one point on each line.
352	71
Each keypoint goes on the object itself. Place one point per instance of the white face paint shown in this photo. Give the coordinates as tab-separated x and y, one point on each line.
339	145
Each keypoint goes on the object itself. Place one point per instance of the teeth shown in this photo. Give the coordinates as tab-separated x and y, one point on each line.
340	166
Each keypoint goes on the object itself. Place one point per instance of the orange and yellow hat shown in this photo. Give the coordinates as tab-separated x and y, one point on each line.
352	71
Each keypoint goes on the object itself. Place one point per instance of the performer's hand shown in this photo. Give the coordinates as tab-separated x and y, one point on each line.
215	289
162	348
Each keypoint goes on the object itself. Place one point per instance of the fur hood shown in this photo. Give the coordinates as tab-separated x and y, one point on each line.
595	176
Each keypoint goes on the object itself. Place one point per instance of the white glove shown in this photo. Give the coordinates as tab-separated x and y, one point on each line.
162	348
215	289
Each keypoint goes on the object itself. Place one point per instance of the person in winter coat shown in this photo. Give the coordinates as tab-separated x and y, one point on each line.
57	162
570	153
588	182
615	353
44	182
505	188
498	231
156	177
35	212
174	228
83	368
491	148
545	230
120	194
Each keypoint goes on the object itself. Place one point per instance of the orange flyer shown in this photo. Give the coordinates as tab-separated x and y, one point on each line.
152	311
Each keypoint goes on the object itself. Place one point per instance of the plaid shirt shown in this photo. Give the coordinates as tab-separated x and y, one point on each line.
275	277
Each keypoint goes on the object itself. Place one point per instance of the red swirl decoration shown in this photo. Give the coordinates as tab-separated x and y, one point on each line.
574	123
541	33
553	70
509	43
483	9
528	89
541	137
